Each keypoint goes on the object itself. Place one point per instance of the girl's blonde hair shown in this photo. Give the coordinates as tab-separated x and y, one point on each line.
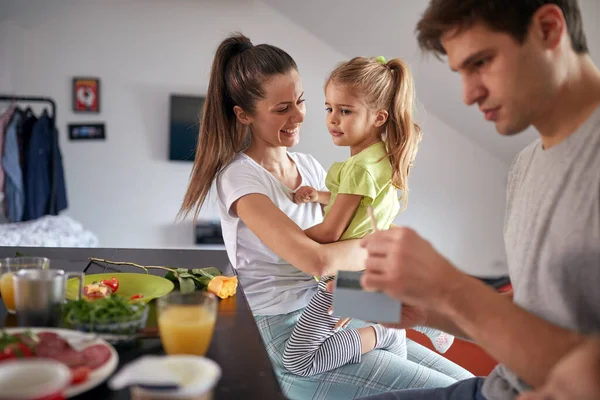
387	86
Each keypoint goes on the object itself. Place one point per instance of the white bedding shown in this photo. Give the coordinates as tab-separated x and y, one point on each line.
47	231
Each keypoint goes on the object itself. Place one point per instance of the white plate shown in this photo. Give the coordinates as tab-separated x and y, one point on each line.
97	376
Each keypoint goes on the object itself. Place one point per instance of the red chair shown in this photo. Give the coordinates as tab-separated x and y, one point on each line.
467	354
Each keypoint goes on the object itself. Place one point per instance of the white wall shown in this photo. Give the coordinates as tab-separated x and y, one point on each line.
125	190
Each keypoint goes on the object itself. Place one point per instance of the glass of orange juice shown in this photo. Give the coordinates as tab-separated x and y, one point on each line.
186	322
8	267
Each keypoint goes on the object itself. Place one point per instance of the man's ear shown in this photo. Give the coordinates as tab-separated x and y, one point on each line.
549	26
242	115
381	118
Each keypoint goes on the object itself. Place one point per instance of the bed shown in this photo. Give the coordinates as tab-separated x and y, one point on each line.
47	231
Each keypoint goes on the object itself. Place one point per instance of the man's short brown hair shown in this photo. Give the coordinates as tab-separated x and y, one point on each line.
510	16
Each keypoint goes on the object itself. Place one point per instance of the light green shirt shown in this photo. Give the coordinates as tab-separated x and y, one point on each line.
368	174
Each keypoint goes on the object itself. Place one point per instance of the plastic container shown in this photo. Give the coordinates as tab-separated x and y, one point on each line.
149	378
33	379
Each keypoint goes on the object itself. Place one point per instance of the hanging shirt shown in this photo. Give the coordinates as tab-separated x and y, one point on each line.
43	169
24	136
58	201
13	186
4	120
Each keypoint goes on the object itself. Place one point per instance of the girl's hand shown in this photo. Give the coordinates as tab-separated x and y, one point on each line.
342	323
306	194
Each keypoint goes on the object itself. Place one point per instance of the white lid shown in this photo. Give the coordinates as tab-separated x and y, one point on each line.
32	377
189	375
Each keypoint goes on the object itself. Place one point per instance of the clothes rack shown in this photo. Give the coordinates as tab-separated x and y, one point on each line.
41	99
32	99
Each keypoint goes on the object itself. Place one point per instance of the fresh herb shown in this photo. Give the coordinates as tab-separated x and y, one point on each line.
105	310
17	346
6	339
187	280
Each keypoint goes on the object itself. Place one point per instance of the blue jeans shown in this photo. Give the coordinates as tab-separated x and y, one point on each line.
468	389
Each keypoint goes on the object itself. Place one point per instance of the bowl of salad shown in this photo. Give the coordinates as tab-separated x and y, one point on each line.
130	286
114	315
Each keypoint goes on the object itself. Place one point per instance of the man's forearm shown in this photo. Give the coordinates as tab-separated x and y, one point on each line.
443	323
439	321
526	344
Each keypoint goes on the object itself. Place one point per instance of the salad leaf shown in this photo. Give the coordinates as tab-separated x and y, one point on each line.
105	310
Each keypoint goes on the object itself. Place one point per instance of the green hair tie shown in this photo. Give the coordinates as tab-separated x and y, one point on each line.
381	59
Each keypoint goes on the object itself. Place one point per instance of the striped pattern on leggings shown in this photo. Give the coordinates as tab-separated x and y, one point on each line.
314	347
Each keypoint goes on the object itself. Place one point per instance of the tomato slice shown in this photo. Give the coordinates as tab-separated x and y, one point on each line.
15	350
136	297
112	283
80	374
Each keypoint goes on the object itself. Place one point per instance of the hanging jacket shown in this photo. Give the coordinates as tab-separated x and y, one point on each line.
23	136
45	189
58	200
4	120
14	194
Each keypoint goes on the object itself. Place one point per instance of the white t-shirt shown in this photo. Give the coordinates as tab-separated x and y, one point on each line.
272	285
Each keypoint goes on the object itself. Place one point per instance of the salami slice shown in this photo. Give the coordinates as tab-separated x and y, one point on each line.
53	346
71	358
48	335
96	355
53	341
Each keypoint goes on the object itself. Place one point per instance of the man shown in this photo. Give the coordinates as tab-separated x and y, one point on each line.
522	62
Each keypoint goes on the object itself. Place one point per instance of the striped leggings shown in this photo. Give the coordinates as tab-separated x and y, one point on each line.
315	346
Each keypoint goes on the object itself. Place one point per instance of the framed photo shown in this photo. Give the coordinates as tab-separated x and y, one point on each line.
86	95
86	131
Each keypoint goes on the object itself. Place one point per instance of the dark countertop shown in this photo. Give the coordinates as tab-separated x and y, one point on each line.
236	345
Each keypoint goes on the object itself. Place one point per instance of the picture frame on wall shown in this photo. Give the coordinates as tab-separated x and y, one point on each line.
86	94
87	131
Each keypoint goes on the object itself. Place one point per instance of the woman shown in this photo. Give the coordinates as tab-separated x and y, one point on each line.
253	111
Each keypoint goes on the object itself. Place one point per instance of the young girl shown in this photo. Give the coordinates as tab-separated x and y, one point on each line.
369	105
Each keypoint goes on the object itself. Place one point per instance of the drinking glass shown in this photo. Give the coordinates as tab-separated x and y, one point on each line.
8	267
186	322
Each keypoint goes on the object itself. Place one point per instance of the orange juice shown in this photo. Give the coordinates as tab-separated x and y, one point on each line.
7	291
186	329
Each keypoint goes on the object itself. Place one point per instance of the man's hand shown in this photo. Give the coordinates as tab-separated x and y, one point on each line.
410	316
575	376
306	194
406	267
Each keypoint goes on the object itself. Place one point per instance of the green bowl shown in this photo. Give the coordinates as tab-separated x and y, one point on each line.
150	286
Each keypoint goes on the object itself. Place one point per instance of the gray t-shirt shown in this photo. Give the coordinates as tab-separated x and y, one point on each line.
552	238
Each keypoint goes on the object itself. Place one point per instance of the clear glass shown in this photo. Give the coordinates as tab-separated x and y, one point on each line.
186	322
8	267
